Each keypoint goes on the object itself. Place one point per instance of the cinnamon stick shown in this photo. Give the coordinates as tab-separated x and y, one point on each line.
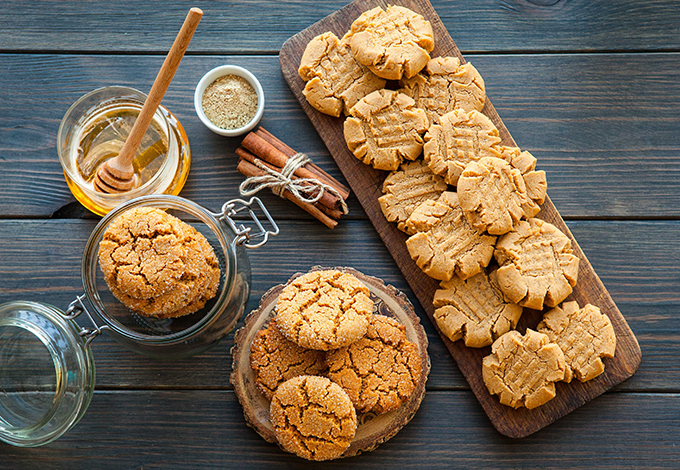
248	169
266	151
321	174
327	199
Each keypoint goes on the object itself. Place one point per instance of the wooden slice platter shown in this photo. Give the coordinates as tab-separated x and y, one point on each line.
372	430
366	184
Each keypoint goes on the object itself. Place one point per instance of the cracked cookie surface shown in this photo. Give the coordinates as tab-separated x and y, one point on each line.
380	371
275	359
459	138
522	370
384	129
495	195
324	310
537	264
157	265
445	244
335	79
393	43
445	85
474	309
584	335
405	189
313	417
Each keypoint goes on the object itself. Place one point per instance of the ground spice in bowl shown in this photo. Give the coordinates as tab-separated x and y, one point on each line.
230	102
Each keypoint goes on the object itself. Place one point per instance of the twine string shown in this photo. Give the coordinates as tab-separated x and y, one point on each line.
308	190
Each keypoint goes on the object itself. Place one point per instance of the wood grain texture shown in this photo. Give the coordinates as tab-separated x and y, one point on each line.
602	158
206	430
637	261
366	183
482	25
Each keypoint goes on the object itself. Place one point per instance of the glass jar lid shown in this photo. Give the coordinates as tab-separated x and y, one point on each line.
46	373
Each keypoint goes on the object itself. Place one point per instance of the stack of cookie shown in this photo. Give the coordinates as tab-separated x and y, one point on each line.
325	358
158	265
482	239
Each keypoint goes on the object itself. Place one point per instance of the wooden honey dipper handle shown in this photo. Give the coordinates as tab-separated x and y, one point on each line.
153	100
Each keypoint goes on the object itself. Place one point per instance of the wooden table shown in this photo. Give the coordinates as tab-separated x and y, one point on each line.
591	88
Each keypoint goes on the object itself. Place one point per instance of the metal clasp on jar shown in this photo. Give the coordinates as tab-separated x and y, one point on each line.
244	235
77	307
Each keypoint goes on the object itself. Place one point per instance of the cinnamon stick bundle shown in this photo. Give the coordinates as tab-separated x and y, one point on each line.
262	148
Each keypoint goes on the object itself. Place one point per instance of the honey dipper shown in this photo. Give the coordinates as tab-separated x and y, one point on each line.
116	175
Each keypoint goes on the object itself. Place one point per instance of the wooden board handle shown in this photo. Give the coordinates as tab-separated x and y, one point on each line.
160	86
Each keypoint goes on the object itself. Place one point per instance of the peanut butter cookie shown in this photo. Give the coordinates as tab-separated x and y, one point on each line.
406	189
384	129
393	43
324	310
156	264
380	371
537	265
446	85
313	418
335	79
274	360
584	335
495	197
445	243
523	370
474	309
459	138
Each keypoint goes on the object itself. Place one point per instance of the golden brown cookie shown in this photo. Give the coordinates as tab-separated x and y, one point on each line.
523	370
393	43
495	197
537	265
380	371
335	79
324	310
156	264
313	418
406	189
384	129
474	309
445	85
274	360
460	138
584	335
445	243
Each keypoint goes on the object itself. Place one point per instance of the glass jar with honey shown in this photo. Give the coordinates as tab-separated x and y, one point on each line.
94	130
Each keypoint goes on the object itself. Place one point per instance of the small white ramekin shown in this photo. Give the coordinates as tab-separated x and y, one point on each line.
213	75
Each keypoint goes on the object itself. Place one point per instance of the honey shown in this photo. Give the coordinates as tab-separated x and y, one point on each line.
94	130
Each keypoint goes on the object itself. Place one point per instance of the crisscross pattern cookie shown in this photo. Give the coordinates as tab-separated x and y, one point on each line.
537	265
445	85
523	370
584	335
313	418
393	43
380	371
459	138
474	309
445	244
404	190
384	129
335	79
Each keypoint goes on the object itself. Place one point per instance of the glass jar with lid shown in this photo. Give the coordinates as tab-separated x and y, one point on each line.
46	365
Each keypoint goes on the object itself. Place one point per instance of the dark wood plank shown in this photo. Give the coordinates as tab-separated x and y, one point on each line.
366	183
200	429
608	150
40	261
235	27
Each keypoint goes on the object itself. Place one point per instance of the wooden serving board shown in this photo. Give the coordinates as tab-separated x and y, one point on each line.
366	184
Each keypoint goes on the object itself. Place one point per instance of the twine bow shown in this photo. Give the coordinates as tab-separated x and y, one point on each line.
308	190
